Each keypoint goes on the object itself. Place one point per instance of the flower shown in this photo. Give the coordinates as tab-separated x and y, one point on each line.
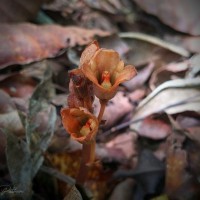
80	124
105	69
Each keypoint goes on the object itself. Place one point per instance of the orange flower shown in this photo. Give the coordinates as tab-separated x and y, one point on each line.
80	124
105	69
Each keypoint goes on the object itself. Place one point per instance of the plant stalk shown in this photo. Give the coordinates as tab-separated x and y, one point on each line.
88	158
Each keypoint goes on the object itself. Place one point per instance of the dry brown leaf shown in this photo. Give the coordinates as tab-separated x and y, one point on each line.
191	124
126	142
81	14
152	128
168	72
172	97
19	10
137	95
116	43
176	164
25	43
68	163
110	6
116	109
9	118
123	190
18	85
182	15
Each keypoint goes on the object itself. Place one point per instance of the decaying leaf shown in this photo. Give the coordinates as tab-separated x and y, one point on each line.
176	164
116	109
73	194
25	165
25	43
168	72
26	10
181	15
153	128
68	163
18	85
126	142
172	97
149	174
123	190
9	117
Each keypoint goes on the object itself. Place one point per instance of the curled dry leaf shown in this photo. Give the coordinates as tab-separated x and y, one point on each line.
181	15
168	72
25	43
172	97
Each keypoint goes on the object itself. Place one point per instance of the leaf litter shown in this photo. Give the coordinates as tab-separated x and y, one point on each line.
149	141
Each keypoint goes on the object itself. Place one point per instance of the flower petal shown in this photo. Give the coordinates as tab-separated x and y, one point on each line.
89	52
74	119
126	74
106	60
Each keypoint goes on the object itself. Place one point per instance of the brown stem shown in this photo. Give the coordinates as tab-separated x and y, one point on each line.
103	106
88	157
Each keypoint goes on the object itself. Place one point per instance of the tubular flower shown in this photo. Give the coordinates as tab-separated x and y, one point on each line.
105	69
80	124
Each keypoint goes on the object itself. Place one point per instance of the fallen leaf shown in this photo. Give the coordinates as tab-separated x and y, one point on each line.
24	167
172	97
168	72
116	43
112	7
194	66
25	43
176	166
126	142
73	194
9	117
152	128
26	10
82	15
181	15
137	95
191	125
123	190
69	163
149	175
116	109
18	85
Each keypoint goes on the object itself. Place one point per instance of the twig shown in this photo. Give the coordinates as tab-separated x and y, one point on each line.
154	40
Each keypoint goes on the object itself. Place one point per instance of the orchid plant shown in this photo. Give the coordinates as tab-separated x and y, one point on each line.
99	74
